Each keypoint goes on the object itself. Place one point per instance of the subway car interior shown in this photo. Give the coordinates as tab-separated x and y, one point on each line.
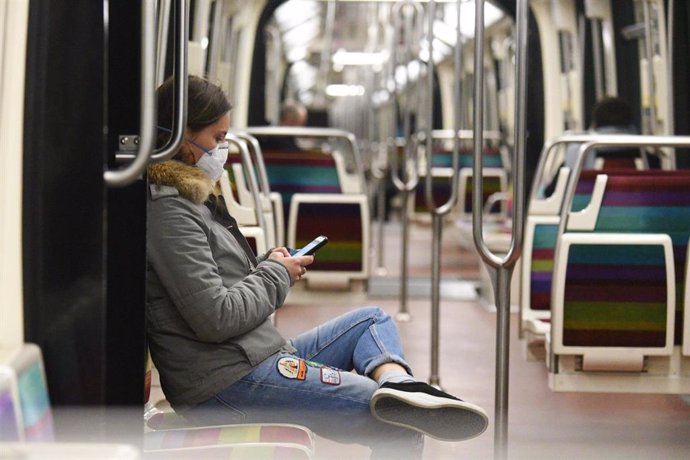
533	254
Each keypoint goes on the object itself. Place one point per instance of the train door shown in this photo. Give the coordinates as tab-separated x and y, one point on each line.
84	242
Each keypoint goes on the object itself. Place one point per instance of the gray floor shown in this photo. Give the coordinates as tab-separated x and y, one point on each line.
542	424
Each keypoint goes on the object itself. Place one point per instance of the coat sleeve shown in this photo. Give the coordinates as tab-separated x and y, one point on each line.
217	306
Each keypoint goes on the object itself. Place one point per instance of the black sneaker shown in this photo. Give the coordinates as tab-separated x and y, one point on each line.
423	408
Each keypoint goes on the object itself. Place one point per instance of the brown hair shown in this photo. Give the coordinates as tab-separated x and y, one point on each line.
207	103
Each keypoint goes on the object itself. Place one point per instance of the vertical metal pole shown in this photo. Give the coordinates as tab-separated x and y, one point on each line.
436	219
437	227
381	211
670	99
649	54
500	268
407	183
501	285
438	212
410	150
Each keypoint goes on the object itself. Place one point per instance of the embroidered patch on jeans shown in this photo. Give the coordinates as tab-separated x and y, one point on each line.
330	376
292	368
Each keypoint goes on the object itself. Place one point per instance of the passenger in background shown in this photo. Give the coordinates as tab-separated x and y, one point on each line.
611	115
292	114
209	301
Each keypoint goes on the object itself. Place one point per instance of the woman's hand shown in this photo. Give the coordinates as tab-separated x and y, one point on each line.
295	265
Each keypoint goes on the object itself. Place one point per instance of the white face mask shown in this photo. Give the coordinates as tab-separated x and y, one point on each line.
213	161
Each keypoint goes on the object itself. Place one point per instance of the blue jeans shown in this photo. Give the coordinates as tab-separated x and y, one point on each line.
315	386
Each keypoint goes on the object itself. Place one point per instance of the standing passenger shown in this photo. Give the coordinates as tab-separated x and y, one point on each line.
209	299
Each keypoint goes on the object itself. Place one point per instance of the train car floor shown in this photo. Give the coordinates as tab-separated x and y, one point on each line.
542	424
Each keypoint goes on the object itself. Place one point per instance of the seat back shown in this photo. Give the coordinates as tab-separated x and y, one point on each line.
651	202
301	172
343	225
620	268
24	366
494	180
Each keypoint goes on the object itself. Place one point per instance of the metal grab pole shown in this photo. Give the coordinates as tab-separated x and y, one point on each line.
438	212
649	54
500	268
406	180
379	171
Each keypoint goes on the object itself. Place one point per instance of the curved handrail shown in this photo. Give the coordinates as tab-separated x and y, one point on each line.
463	134
181	84
147	104
550	145
614	140
513	254
253	185
447	206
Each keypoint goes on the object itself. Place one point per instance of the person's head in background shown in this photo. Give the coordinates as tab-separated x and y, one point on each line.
612	111
208	118
292	113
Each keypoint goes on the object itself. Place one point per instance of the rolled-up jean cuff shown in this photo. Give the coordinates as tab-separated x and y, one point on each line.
384	359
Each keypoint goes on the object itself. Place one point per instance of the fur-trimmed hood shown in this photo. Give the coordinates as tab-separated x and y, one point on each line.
191	182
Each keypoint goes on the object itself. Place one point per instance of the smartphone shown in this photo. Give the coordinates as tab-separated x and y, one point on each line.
312	247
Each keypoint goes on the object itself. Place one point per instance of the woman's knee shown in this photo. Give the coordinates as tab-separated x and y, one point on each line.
376	313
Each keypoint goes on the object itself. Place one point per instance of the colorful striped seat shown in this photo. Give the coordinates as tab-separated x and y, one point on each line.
443	158
301	172
248	441
647	202
315	203
541	235
615	296
442	161
619	277
169	436
343	226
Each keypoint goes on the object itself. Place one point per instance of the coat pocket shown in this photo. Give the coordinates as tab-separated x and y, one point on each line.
260	343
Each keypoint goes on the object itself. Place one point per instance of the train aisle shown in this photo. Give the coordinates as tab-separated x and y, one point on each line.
542	424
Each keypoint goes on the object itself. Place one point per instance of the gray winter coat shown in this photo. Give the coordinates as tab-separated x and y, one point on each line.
208	304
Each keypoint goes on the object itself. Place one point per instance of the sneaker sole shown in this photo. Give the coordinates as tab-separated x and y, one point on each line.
440	418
